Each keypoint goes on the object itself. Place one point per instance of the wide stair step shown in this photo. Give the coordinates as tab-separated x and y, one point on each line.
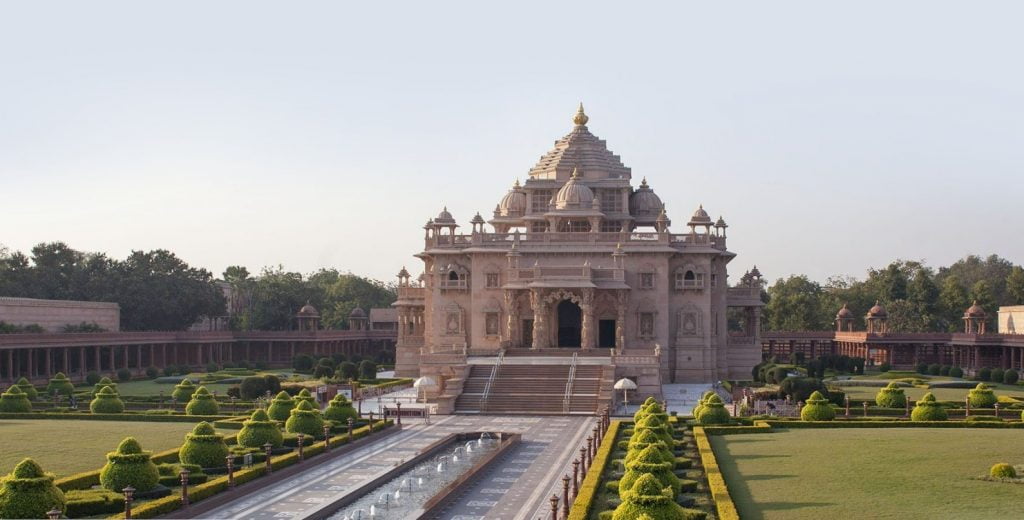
531	389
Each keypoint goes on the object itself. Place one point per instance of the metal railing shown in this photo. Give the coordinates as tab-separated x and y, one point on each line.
490	381
568	385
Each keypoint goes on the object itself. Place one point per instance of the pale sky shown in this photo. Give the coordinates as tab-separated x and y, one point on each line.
324	134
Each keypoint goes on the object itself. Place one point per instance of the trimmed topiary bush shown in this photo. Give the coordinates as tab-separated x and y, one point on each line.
944	370
183	391
1011	377
340	410
656	426
305	419
817	409
891	396
204	447
92	378
28	389
649	462
202	403
347	370
129	466
60	384
104	381
713	412
281	406
367	369
647	498
982	396
700	403
956	372
106	401
1002	470
985	374
15	401
304	395
927	409
28	492
252	387
259	430
646	438
997	375
124	375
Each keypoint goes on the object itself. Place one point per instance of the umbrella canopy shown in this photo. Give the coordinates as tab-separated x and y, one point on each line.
424	382
625	384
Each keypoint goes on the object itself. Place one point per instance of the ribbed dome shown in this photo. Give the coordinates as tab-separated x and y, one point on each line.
644	202
877	311
700	216
975	311
477	219
308	310
513	203
574	195
357	313
844	313
444	217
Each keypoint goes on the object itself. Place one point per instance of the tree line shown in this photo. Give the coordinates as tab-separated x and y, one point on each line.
156	290
917	297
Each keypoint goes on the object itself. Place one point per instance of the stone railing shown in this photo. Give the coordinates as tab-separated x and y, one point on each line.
504	240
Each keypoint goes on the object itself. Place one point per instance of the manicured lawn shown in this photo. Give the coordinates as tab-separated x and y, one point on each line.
64	447
150	387
870	473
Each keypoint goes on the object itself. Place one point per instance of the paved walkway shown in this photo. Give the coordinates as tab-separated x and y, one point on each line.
517	487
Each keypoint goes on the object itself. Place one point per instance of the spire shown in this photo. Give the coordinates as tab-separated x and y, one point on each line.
643	183
575	172
580	118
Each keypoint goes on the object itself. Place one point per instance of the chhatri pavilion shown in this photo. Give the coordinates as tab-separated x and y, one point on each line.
576	260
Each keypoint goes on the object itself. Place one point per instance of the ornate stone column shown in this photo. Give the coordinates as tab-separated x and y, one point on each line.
512	313
540	319
620	320
587	335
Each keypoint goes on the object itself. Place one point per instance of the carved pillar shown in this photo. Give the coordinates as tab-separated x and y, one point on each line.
512	310
587	307
620	320
540	319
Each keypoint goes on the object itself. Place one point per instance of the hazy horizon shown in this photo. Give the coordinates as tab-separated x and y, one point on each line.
830	138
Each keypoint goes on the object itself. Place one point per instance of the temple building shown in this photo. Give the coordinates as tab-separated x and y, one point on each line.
576	260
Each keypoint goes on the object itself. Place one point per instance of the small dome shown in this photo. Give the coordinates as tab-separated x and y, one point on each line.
975	311
574	195
308	310
721	223
357	313
755	272
844	313
514	202
644	202
403	273
700	217
429	224
444	217
477	219
877	311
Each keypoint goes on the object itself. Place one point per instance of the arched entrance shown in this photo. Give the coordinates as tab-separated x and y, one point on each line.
570	322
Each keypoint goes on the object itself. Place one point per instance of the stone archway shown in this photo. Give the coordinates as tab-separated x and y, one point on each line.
570	324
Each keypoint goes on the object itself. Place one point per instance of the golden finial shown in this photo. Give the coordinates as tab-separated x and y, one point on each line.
575	173
516	185
580	118
643	183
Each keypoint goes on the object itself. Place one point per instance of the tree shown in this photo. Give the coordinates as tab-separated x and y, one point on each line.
795	304
953	300
1015	286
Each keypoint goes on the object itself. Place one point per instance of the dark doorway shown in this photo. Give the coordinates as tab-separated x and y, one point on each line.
569	321
528	333
606	334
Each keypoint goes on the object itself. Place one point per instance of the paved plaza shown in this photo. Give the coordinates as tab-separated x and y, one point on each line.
518	485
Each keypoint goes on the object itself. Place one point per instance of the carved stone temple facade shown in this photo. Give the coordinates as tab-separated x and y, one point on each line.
577	259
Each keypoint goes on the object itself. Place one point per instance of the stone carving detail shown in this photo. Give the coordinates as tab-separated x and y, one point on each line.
453	320
691	320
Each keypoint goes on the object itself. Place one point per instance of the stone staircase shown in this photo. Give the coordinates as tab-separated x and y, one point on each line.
533	389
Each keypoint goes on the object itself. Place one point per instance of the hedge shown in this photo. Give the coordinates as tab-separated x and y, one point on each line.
211	487
130	417
724	506
584	501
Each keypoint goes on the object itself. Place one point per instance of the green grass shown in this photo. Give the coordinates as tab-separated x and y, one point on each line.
64	447
149	387
870	473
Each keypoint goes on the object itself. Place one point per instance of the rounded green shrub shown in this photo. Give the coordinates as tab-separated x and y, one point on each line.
984	374
891	396
1002	470
259	430
60	384
305	419
982	396
700	403
123	374
183	391
92	378
281	406
204	447
106	401
129	466
104	381
304	395
28	389
655	425
28	492
646	438
926	409
997	375
649	461
15	401
647	498
202	403
340	410
1011	377
956	372
713	412
817	408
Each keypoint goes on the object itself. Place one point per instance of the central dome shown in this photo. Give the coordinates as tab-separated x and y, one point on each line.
581	149
574	195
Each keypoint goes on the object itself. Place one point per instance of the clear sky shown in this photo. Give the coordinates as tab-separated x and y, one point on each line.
830	137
